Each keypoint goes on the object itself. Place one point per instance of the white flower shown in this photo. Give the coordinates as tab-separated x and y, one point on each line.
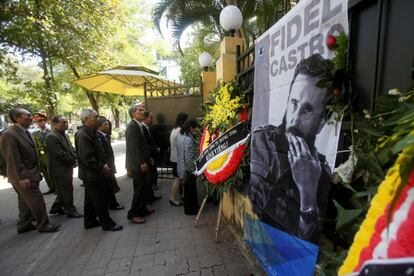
394	92
401	99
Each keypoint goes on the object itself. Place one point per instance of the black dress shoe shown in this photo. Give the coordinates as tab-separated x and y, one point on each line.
57	212
75	214
50	228
92	224
49	192
26	228
117	227
119	207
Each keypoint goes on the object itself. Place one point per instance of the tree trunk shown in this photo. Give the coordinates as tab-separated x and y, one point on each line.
93	99
50	96
115	114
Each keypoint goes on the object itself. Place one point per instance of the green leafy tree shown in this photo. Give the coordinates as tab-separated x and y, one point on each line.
78	36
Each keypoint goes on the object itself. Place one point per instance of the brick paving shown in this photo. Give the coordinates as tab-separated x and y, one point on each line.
167	244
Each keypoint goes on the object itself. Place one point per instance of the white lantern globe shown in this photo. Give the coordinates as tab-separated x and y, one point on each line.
65	86
231	18
205	60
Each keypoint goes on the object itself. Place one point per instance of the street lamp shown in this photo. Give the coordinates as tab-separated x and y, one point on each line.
231	19
205	60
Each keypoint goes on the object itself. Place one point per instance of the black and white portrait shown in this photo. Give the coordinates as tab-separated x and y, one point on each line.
290	178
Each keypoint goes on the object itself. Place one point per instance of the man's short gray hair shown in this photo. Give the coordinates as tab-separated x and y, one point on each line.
135	107
86	113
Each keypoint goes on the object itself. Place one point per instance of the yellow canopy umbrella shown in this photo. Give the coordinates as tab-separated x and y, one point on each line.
128	80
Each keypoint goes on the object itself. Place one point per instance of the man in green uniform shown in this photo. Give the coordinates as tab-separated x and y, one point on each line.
40	137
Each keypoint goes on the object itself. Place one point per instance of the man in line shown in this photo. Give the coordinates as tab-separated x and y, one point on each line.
112	184
93	169
62	160
154	150
23	171
289	181
138	160
40	137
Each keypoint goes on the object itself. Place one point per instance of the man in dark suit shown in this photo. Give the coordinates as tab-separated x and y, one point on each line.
93	169
40	137
154	149
62	160
138	160
112	185
23	171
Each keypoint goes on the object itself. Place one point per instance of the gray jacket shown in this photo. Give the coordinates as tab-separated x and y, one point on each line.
185	154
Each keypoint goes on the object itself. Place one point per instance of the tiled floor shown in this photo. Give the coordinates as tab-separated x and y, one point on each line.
167	244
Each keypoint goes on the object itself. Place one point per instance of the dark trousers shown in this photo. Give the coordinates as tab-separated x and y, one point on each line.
152	182
153	175
190	194
96	204
3	167
110	183
31	205
64	199
140	183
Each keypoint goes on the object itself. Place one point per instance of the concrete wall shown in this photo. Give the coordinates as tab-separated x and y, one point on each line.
169	107
165	110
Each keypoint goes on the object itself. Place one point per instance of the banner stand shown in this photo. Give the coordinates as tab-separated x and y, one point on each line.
200	210
218	216
218	220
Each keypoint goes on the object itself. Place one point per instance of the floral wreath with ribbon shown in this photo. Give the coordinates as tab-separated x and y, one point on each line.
228	106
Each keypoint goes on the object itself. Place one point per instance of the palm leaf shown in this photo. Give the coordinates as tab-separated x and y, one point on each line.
158	11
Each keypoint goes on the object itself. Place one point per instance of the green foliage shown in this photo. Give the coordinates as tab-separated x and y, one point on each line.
379	139
182	14
392	123
258	16
70	38
330	262
190	68
341	52
346	216
335	80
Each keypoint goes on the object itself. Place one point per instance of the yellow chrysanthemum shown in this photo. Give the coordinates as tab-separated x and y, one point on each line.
224	109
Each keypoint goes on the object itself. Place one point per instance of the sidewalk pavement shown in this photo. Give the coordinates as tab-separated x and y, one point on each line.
167	244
